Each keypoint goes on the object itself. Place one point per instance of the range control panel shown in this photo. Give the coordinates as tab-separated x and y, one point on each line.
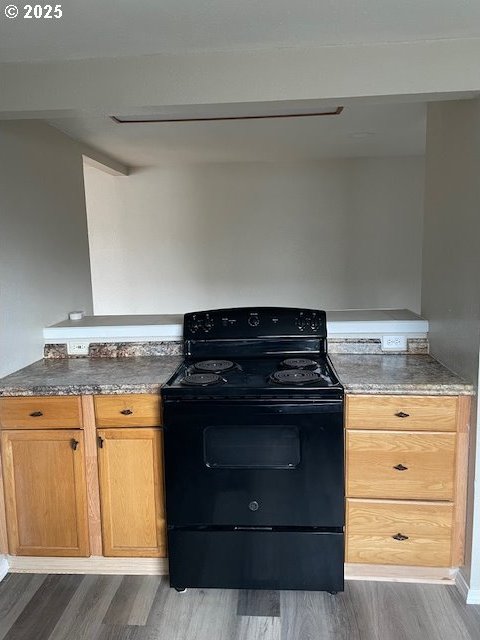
254	322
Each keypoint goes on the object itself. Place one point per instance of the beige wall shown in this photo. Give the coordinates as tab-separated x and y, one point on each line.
332	234
451	260
44	255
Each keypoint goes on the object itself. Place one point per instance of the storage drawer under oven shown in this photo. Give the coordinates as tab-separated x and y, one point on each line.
256	559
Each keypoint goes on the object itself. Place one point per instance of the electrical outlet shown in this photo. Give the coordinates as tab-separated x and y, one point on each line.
394	343
77	347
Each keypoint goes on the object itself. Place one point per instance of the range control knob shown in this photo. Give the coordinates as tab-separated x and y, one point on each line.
208	324
301	323
253	321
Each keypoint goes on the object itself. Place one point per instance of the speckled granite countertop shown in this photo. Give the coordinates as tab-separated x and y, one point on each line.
397	374
83	376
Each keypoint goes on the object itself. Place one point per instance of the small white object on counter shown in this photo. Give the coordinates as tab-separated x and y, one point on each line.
76	315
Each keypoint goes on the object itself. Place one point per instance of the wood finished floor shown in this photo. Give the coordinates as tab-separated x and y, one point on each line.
73	607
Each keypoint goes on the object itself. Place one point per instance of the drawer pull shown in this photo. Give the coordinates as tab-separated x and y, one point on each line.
126	412
400	537
400	467
74	444
36	414
402	414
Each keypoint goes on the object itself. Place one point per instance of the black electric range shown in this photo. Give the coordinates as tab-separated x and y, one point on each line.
254	467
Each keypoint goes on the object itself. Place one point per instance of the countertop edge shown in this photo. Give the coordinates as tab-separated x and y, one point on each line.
359	389
410	390
81	390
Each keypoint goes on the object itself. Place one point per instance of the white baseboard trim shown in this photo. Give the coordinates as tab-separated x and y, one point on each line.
3	568
471	596
91	565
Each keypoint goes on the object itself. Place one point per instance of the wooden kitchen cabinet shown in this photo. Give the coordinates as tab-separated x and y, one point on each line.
66	496
45	492
406	460
131	492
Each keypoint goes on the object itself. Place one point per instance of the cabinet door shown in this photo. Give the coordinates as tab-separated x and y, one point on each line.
131	492
45	492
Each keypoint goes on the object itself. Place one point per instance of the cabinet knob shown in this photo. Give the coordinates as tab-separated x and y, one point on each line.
400	467
400	536
100	442
74	444
402	414
126	412
36	414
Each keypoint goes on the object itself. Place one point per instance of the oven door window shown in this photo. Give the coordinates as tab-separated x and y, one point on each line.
252	447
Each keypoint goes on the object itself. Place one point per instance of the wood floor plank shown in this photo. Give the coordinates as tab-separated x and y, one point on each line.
16	591
143	601
259	628
119	632
436	605
469	613
387	611
83	615
258	603
41	614
311	615
396	611
133	600
200	614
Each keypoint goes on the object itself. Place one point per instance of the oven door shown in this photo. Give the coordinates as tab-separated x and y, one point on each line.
254	463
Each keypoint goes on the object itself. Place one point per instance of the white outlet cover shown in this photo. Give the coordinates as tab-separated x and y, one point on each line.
78	347
394	343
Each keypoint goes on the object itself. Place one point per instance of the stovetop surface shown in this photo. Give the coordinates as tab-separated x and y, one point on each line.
273	376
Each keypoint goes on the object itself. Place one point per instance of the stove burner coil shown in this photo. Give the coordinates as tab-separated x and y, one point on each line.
295	376
214	366
299	363
202	379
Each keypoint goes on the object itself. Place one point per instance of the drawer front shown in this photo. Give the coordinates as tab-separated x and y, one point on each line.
429	413
136	410
399	533
382	464
40	412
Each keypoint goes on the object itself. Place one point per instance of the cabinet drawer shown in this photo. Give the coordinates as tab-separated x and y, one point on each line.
40	412
399	533
137	410
382	464
429	413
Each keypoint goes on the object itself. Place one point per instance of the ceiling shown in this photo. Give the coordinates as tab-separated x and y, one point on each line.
360	130
115	28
